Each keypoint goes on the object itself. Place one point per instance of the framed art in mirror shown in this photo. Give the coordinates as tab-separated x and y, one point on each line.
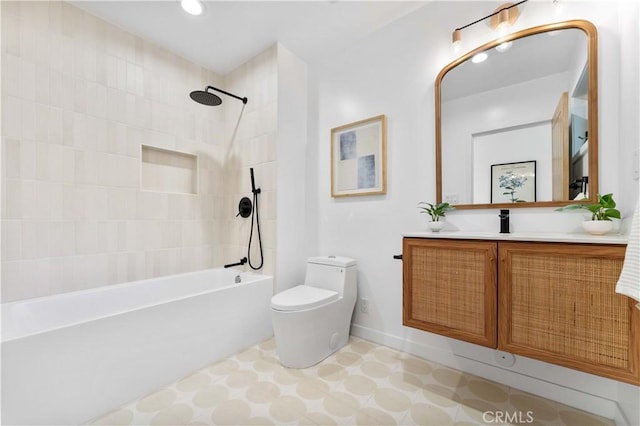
534	99
513	182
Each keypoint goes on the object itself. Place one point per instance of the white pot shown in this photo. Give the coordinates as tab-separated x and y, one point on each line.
597	227
436	226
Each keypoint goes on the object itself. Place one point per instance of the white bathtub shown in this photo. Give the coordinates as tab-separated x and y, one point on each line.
71	357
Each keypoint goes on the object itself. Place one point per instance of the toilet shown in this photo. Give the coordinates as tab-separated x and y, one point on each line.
311	321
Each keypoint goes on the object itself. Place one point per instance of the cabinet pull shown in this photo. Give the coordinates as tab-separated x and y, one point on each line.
397	256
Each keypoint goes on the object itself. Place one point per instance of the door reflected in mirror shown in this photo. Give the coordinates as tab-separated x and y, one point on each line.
532	101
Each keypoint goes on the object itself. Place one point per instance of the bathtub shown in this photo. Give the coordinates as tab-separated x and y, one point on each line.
69	358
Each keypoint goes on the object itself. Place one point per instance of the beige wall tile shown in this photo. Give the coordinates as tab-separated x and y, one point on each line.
80	97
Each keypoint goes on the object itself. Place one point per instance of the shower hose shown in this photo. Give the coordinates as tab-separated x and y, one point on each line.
254	213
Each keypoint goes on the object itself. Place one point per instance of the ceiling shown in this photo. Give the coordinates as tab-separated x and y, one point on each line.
229	33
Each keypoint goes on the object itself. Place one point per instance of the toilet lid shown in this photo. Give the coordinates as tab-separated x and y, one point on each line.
302	297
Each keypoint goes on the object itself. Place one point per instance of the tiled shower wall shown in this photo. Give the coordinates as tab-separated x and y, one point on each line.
253	144
79	98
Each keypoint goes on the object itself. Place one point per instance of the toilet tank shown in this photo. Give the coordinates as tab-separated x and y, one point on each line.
331	273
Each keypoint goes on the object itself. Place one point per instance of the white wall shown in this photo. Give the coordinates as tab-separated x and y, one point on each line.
291	236
392	72
629	124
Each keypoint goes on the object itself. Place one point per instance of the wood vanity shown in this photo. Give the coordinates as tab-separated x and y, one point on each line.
548	297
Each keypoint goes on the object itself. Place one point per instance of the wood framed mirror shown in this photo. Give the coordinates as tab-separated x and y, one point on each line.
520	129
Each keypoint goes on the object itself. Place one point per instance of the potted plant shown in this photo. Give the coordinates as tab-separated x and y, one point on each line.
601	214
435	211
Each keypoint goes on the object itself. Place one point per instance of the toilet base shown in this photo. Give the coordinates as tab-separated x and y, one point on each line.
311	337
294	359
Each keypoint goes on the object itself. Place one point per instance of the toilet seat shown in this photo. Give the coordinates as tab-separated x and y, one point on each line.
302	297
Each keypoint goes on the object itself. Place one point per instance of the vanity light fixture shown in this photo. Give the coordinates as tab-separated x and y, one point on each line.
456	41
501	19
503	22
192	7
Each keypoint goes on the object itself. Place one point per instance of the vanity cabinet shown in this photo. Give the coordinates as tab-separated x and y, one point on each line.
552	301
557	303
450	288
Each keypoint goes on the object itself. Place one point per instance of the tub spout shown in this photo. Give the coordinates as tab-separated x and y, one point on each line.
242	262
238	279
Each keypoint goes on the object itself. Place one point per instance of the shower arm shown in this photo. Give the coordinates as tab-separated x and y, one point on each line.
244	100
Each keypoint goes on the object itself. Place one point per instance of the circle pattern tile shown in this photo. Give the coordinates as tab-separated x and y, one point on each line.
361	384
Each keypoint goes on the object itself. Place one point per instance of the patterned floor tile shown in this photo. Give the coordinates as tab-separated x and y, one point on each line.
362	384
425	414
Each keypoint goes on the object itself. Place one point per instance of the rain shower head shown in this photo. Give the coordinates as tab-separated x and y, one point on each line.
205	97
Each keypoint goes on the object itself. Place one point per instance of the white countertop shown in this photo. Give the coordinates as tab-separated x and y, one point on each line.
523	236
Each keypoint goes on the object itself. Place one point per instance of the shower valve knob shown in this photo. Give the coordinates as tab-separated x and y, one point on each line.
245	207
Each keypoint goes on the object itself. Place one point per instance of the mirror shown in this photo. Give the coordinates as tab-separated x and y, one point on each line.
520	128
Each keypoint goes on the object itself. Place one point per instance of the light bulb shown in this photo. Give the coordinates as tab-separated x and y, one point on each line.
193	7
503	22
503	47
479	57
456	41
558	9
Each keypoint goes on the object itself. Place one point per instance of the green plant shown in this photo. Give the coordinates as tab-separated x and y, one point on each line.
604	209
436	211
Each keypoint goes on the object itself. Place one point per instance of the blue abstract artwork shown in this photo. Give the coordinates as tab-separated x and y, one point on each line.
358	158
348	145
367	171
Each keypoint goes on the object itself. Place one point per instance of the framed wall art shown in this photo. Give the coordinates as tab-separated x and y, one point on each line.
513	182
358	158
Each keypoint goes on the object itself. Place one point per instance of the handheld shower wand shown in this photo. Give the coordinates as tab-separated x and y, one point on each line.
255	214
253	183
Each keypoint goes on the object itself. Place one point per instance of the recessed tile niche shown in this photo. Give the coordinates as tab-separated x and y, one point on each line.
164	170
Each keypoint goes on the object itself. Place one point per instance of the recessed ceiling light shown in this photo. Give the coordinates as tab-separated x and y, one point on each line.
479	57
193	7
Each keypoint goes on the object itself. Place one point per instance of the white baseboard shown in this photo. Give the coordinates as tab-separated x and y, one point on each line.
577	398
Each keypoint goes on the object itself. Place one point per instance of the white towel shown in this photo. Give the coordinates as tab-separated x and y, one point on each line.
629	281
